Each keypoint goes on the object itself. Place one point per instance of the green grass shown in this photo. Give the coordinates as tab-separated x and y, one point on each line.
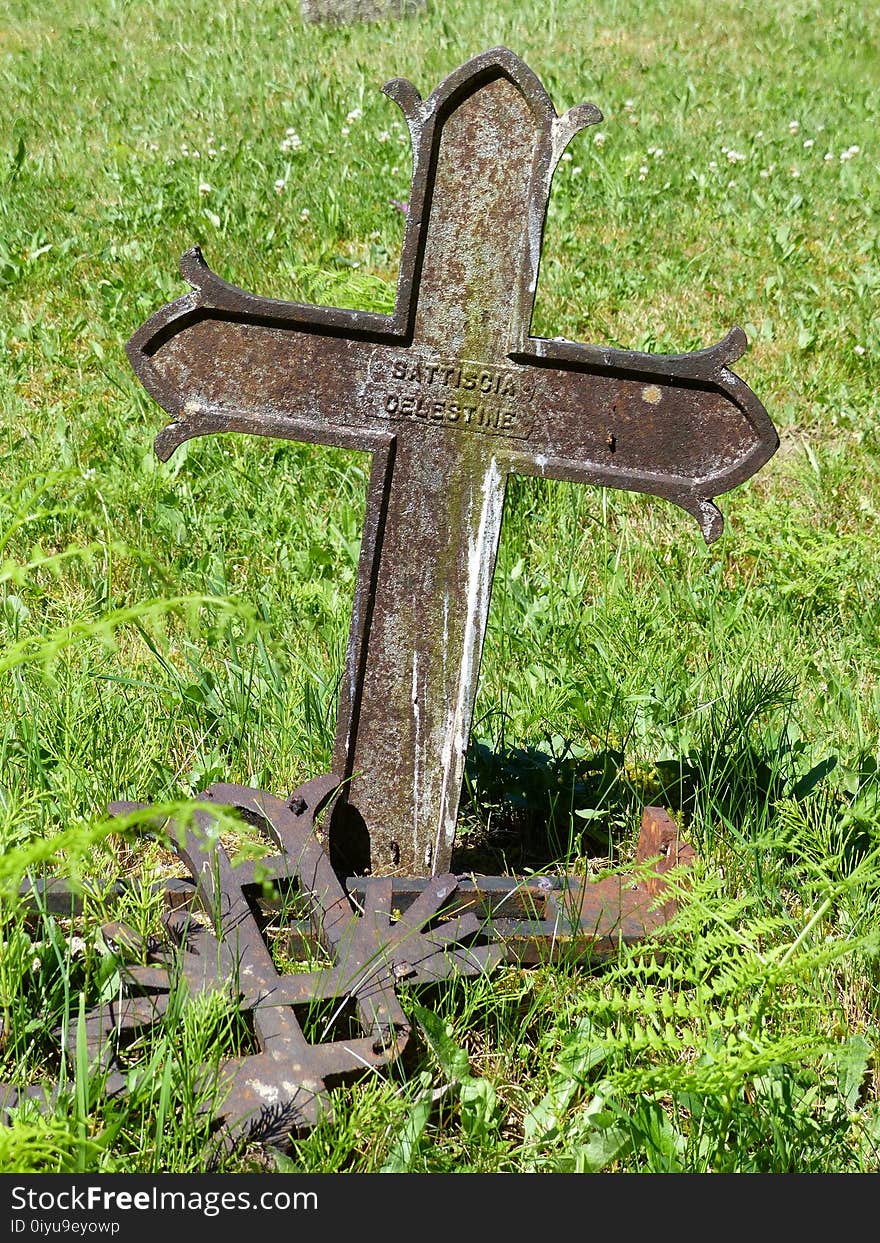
164	626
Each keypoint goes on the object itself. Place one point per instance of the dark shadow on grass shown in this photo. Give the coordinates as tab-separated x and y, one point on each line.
529	807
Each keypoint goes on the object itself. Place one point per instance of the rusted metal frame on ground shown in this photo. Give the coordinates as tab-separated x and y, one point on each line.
282	1088
376	934
528	920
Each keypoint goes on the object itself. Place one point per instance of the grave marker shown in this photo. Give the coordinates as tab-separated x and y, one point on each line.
452	395
344	12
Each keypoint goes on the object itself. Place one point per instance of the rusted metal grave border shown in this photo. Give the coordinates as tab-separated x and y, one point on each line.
378	933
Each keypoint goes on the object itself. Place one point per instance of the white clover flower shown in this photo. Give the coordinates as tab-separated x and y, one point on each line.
713	165
384	136
211	153
795	172
184	149
345	131
759	133
629	104
566	155
304	214
844	156
354	115
290	132
859	349
793	127
599	139
735	157
279	185
829	155
809	142
576	171
204	188
731	185
765	173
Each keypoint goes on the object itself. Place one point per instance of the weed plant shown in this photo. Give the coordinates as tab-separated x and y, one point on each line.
165	626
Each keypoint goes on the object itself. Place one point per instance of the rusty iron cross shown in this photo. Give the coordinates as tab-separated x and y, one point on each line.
451	394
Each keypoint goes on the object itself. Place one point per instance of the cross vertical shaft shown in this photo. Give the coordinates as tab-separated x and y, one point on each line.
402	751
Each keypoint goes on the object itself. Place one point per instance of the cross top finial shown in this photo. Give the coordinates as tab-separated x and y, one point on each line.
485	145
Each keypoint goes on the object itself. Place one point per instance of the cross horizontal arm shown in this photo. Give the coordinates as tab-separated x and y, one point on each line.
220	359
679	426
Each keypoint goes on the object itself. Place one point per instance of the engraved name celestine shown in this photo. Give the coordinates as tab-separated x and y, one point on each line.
452	392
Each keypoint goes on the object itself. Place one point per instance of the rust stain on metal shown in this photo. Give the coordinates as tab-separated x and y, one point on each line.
452	395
